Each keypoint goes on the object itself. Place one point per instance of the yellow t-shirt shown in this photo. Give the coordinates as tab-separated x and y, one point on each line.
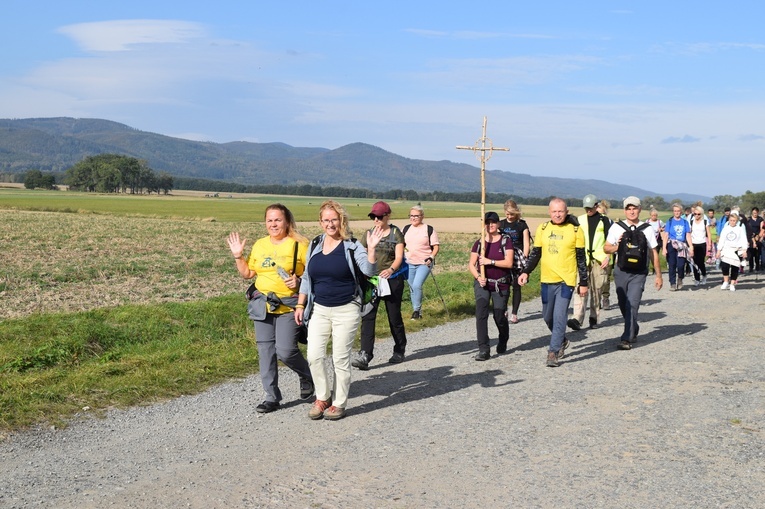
559	243
265	259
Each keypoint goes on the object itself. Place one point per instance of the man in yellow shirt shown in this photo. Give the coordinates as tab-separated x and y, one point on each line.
559	247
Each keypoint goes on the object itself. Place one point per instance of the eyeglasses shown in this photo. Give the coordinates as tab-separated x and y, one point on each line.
330	221
375	216
415	215
696	214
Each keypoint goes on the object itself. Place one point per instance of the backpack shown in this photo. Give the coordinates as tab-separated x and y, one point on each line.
633	249
519	259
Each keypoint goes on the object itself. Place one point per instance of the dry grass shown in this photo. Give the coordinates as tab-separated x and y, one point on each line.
59	262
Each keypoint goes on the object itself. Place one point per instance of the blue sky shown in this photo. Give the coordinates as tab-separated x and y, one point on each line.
667	96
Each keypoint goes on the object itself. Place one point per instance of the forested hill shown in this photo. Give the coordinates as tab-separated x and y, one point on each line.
55	144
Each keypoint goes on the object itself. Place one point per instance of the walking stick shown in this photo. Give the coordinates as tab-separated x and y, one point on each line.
439	292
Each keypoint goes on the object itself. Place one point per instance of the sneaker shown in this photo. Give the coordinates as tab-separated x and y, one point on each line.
552	360
267	407
625	345
396	358
594	323
703	280
562	351
672	287
679	284
574	324
482	356
732	288
513	318
317	409
725	286
697	283
606	303
334	413
416	315
501	347
306	388
361	361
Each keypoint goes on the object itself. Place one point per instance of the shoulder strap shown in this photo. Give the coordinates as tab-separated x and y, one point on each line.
294	258
406	229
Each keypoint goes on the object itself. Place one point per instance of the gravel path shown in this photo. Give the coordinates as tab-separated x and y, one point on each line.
676	422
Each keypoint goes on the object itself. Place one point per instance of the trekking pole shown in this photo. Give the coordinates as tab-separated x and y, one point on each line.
439	292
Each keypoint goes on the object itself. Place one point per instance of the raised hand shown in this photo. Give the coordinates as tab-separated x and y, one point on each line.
236	244
374	236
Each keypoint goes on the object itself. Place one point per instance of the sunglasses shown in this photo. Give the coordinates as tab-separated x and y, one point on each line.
375	216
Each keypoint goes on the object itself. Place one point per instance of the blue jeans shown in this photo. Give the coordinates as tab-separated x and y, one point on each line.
675	265
417	276
555	300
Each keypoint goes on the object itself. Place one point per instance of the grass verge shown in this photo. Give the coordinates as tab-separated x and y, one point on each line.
55	366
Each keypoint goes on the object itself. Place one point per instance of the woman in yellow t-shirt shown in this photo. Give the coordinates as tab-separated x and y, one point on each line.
278	262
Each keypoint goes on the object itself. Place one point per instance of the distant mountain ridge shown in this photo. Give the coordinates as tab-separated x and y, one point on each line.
55	144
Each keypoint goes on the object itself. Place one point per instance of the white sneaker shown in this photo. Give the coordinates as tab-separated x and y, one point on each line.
724	286
697	283
704	280
732	288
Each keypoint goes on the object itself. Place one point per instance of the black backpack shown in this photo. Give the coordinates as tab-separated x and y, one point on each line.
633	249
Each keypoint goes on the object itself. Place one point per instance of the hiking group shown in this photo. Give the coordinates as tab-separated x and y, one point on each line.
314	292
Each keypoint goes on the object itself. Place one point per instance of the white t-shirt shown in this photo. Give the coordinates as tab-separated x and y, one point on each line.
699	231
617	231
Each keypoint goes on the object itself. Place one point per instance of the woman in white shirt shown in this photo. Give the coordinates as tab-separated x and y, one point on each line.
701	238
731	247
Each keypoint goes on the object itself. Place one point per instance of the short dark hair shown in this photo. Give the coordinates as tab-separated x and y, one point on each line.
755	208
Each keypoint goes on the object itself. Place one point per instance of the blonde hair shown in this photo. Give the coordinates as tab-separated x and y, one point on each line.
604	205
512	209
344	228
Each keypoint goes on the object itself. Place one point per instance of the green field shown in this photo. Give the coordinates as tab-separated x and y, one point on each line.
111	301
225	208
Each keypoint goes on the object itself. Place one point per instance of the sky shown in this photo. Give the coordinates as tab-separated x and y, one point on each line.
666	96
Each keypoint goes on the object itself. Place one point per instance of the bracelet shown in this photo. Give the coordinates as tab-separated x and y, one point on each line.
299	306
238	257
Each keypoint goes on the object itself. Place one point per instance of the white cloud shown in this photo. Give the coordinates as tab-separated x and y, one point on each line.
681	139
123	35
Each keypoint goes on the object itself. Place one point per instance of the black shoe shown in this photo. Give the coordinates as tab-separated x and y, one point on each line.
361	361
306	388
502	347
396	358
482	356
267	407
574	324
594	323
416	315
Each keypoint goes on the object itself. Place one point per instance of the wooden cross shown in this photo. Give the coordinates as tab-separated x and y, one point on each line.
483	150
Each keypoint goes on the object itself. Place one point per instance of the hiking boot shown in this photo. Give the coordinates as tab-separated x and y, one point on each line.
552	360
334	413
594	323
317	409
606	303
725	286
361	361
267	407
574	324
679	284
396	358
482	356
624	345
416	315
306	388
562	351
672	287
501	347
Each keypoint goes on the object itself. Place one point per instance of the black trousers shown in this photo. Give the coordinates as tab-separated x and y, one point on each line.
395	320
